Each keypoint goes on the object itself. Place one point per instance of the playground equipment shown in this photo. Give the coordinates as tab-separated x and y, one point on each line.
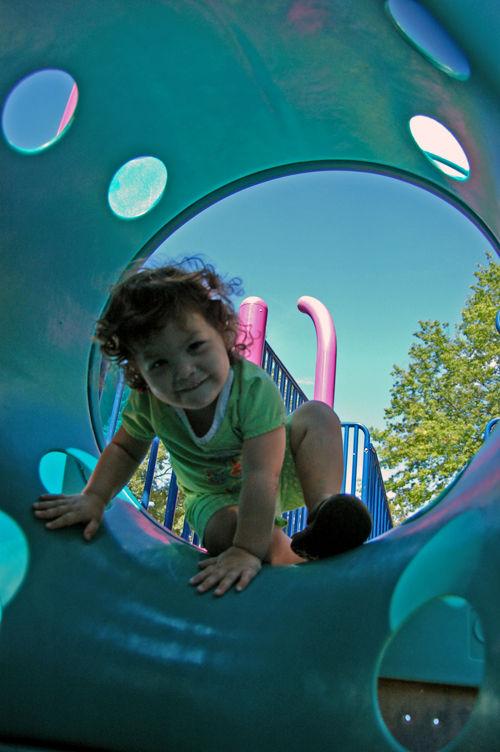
361	466
105	646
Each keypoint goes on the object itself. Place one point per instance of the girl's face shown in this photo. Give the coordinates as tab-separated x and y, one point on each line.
186	363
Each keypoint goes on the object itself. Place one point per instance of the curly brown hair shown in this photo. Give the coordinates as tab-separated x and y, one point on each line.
144	302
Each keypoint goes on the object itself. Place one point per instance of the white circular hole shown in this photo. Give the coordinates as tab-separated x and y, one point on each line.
440	146
137	187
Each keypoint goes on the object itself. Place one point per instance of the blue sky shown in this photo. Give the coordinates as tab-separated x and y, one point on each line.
33	110
379	253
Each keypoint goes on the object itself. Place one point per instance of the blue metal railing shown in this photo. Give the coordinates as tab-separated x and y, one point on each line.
293	397
362	475
292	394
376	498
490	426
148	482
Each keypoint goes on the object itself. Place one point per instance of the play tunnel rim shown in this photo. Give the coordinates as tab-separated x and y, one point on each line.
248	181
325	165
241	184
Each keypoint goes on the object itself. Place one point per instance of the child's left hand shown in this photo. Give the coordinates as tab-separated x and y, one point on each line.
236	566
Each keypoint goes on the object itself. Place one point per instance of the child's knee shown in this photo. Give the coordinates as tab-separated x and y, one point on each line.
313	416
220	530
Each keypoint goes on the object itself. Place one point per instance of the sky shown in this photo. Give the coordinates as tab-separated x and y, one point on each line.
32	112
380	253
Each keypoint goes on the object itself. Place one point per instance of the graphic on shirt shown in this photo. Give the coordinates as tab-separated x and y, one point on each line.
222	475
216	475
236	469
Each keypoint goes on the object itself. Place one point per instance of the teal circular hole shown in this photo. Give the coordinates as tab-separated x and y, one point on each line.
14	558
430	675
137	187
68	471
51	469
65	472
423	31
441	568
39	110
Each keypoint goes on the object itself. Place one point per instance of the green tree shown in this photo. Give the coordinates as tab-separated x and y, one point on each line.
159	489
441	403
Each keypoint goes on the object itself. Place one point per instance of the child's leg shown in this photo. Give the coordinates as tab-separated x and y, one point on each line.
220	531
343	521
280	549
316	444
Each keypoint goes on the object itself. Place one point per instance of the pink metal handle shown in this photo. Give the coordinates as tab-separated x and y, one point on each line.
253	320
326	356
69	109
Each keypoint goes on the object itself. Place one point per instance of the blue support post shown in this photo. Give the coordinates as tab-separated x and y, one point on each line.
186	531
150	473
115	411
171	503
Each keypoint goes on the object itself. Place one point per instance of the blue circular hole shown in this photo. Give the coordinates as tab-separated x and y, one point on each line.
39	110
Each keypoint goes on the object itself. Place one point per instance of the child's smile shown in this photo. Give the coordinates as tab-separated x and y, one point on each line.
186	363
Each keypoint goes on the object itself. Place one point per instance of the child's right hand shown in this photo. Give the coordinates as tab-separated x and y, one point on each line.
236	566
63	511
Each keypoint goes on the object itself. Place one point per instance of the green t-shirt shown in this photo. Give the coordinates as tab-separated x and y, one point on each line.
249	406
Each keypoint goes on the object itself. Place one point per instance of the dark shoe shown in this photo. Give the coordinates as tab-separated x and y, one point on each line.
338	524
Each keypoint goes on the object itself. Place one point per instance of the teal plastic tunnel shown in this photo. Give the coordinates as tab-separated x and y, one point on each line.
105	645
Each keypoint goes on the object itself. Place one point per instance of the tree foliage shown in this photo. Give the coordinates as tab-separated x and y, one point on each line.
441	402
159	489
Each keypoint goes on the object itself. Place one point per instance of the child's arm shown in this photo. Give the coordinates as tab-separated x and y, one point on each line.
117	464
262	459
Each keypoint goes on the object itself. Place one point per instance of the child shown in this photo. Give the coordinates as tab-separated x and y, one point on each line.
222	419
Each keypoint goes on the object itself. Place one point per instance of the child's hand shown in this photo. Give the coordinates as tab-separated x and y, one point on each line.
63	511
233	566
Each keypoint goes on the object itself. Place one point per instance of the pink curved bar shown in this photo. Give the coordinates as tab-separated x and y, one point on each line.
326	357
253	319
69	109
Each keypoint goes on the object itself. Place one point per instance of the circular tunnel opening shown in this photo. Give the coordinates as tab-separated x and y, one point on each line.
430	675
379	251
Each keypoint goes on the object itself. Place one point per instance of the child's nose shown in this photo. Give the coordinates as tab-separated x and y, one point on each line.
185	368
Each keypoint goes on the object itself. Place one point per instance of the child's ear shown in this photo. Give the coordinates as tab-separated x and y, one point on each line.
136	380
229	338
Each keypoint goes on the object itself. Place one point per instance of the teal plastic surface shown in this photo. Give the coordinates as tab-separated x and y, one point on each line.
105	645
440	642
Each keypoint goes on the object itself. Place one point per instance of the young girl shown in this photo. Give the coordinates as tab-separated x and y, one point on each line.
238	459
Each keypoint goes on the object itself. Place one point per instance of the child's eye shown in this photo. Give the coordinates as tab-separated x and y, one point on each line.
194	346
157	364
